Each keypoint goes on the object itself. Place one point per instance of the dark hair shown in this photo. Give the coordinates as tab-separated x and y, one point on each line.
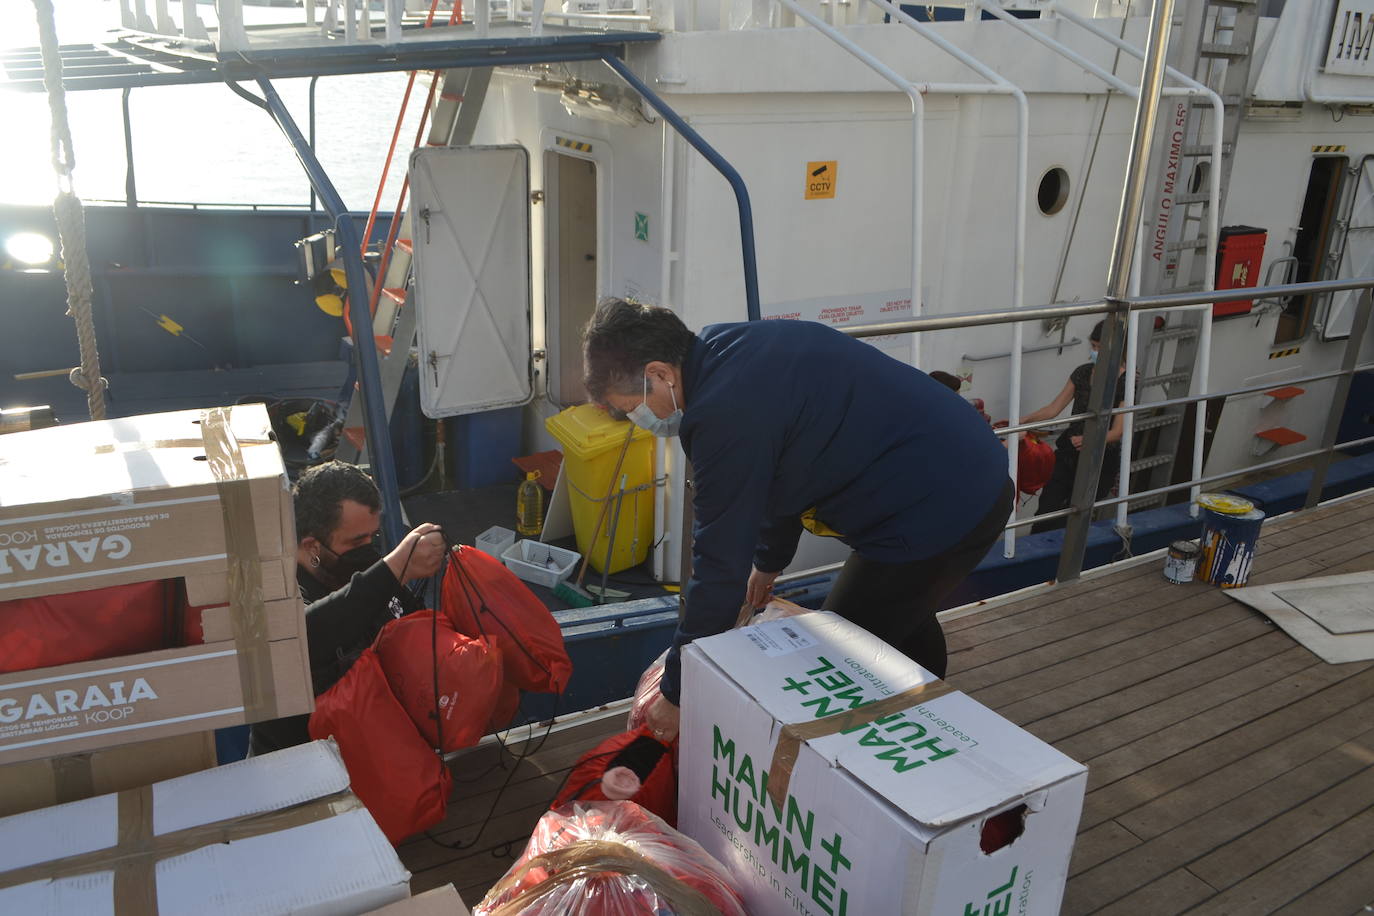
1096	335
319	494
949	381
622	338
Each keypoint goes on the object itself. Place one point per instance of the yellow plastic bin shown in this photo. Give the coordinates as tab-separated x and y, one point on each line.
592	442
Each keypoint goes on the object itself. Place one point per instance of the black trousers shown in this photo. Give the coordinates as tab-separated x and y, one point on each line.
1058	493
897	601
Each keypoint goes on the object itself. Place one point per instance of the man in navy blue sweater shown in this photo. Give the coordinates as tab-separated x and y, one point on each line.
791	424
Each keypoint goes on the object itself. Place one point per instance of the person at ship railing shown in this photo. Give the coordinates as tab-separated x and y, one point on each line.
792	425
1058	492
349	588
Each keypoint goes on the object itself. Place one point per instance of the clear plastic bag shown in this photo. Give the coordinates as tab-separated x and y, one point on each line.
611	859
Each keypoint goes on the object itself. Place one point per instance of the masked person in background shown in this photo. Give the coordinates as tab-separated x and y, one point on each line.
350	589
792	425
1058	493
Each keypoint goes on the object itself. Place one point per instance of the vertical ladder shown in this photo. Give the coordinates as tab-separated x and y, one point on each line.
1223	50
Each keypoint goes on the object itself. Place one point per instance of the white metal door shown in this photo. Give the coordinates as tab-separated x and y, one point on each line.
471	236
1357	255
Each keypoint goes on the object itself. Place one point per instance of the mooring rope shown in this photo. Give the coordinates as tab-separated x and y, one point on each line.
71	219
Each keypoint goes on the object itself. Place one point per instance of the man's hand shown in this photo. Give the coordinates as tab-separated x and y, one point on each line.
760	588
419	555
1077	441
663	718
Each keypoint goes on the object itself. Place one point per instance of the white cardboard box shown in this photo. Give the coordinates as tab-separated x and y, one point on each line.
279	833
886	817
148	497
441	901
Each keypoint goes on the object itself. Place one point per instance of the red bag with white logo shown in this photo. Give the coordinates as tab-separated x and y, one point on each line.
633	767
418	648
82	626
484	599
399	777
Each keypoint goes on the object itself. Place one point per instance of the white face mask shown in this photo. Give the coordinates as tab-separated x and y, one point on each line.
646	419
1092	356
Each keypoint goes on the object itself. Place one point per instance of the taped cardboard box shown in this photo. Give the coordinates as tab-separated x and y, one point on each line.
92	705
274	834
832	775
193	493
441	901
58	780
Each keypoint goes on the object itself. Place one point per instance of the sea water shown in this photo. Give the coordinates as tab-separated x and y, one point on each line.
200	143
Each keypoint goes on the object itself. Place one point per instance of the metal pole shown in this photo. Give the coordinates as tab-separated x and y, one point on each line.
364	346
1338	398
1102	398
746	210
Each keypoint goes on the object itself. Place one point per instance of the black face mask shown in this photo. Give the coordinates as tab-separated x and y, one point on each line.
344	565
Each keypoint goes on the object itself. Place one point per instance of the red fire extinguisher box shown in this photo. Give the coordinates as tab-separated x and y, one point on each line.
1240	251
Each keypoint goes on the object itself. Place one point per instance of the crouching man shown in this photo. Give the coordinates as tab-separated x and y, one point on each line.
350	589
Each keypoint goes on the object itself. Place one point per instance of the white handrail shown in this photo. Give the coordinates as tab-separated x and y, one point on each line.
917	137
998	85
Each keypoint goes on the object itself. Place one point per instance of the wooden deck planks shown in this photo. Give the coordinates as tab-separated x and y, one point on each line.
1231	771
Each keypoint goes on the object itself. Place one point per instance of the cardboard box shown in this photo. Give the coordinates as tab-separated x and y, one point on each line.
442	901
881	796
198	494
279	833
91	705
150	497
56	781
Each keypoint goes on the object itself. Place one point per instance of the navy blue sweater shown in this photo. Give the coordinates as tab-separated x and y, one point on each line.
784	416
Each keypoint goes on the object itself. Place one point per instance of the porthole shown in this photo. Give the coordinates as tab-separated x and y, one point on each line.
1053	192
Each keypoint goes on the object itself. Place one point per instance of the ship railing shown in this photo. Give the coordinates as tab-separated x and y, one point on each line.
355	22
824	22
1079	515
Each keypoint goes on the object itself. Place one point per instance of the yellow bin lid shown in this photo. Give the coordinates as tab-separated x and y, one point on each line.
1226	505
587	431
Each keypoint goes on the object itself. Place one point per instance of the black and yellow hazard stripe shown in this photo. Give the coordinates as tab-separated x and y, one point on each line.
574	144
1278	354
1332	148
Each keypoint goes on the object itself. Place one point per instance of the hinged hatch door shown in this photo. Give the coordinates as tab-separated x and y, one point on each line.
470	222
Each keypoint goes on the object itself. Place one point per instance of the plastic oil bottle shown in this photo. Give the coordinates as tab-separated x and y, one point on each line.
529	506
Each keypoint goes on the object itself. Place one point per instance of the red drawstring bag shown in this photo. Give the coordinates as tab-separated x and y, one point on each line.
84	626
419	647
610	859
1034	465
483	598
633	767
400	779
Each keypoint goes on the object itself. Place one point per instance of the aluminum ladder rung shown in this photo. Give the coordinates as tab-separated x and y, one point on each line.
1180	333
1201	197
1154	461
1167	378
1186	245
1167	419
1204	150
1224	50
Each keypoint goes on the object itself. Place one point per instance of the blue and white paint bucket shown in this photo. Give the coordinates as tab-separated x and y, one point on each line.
1230	533
1181	562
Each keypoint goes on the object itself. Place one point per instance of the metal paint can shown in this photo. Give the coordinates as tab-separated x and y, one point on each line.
1230	534
1181	562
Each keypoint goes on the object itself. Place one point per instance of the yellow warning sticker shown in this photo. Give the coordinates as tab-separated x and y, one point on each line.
820	180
